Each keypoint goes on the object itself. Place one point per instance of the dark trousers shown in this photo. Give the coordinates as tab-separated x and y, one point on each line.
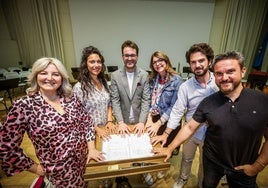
161	130
236	179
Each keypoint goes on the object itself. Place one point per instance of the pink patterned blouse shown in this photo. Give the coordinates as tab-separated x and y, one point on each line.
60	141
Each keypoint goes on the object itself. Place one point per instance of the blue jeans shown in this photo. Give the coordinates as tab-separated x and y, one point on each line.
236	179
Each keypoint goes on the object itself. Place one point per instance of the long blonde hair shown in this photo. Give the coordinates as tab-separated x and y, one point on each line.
64	90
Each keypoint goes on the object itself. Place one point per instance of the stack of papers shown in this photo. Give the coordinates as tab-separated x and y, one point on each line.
128	147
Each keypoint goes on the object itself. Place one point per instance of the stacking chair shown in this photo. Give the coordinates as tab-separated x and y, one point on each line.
23	79
2	71
24	76
14	69
186	73
10	75
75	72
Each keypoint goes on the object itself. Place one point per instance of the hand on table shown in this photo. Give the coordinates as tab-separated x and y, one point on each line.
163	151
139	129
152	128
160	138
95	155
103	133
123	129
111	127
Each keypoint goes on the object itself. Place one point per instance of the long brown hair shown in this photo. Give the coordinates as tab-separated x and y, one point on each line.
85	77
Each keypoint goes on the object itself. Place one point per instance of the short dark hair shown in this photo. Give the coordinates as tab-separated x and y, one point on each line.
229	55
204	48
131	44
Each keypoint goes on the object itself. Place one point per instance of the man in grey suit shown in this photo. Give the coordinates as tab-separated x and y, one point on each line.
130	92
130	96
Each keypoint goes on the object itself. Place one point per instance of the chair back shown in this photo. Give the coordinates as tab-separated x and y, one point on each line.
10	75
24	76
9	84
2	70
14	69
75	72
112	68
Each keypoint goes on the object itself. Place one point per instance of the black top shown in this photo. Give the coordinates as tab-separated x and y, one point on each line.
235	129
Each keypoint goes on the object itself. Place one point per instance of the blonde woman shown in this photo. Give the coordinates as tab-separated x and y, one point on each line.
61	131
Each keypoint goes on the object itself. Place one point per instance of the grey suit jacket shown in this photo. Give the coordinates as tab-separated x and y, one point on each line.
122	99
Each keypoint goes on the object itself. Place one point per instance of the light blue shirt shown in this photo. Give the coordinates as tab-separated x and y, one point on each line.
190	94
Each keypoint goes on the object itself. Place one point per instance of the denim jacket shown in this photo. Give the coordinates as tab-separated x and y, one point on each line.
168	96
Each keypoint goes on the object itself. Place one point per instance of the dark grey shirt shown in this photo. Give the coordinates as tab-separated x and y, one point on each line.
235	129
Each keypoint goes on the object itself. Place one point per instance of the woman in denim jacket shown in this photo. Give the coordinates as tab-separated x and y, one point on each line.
164	86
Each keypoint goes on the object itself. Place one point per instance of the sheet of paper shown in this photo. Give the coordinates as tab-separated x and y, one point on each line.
128	147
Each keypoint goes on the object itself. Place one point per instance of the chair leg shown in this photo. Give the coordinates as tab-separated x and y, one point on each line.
2	100
9	96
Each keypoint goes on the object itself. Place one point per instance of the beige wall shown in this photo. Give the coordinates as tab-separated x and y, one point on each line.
169	26
9	53
217	26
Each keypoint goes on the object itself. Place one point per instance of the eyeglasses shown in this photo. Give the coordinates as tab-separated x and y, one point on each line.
93	61
129	55
158	61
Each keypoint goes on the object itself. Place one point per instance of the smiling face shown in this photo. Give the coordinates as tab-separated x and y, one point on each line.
94	64
159	65
49	79
130	58
199	64
228	75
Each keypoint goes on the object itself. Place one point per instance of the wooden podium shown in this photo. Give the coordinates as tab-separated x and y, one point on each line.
125	167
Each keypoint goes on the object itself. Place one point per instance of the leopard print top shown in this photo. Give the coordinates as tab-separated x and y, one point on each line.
60	141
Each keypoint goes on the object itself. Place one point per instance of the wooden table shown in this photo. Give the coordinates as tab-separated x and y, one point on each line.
126	167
